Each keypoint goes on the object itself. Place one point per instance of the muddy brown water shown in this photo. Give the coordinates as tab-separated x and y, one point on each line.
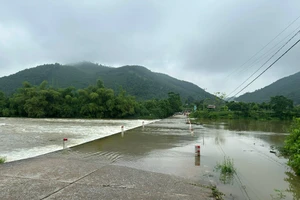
168	147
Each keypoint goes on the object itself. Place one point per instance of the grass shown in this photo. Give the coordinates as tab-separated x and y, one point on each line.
279	195
216	194
2	160
227	166
226	169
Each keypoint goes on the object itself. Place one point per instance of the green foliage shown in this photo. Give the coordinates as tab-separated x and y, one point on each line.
2	160
292	146
279	194
3	104
95	101
282	106
226	169
136	80
227	166
279	108
216	193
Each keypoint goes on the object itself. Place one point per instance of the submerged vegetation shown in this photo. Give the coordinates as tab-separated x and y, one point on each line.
95	101
216	194
226	169
279	195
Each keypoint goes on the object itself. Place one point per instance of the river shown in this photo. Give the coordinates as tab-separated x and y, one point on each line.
167	146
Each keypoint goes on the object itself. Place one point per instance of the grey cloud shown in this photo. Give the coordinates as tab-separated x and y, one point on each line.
198	41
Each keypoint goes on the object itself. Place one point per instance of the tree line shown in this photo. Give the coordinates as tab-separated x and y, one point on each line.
279	107
95	101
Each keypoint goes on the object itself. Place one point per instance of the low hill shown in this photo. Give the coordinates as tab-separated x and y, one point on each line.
288	87
136	80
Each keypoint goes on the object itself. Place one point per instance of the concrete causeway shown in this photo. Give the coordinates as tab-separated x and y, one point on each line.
63	175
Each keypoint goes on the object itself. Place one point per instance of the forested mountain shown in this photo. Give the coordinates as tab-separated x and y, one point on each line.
135	80
288	87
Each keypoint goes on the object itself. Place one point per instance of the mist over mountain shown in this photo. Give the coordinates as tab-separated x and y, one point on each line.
136	80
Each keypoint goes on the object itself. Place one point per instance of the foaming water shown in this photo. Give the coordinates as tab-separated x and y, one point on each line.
24	138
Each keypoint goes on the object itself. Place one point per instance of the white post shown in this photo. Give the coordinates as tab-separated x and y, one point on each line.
122	131
143	124
64	142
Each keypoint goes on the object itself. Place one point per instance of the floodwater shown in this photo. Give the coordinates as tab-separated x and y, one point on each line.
22	138
168	146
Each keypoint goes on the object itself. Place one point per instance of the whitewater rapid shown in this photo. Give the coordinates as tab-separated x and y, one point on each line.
23	138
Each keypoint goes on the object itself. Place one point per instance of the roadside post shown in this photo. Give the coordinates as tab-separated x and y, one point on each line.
122	131
197	150
64	142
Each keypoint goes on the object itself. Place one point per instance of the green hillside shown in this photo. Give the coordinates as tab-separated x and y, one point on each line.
136	80
288	87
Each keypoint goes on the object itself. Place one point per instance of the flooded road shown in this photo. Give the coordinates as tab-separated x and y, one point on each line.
22	138
168	147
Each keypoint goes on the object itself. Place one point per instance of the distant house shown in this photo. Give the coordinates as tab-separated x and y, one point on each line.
211	107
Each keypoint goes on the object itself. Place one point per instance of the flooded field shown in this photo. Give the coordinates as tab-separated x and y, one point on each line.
168	146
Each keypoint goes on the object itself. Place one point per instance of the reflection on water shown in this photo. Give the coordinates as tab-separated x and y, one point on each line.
250	125
219	139
197	160
294	184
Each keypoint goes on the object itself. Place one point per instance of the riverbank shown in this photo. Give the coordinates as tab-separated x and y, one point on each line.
63	175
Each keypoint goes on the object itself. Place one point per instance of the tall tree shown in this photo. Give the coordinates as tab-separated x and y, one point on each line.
175	102
281	106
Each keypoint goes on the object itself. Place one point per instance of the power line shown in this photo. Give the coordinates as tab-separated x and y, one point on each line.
270	50
263	47
265	62
268	67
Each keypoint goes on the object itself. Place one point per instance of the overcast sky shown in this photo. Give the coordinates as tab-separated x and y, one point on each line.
200	41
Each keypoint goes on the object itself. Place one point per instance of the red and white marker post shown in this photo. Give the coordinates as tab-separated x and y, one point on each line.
64	142
197	150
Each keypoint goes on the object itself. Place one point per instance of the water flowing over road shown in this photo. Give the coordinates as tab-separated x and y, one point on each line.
167	146
24	138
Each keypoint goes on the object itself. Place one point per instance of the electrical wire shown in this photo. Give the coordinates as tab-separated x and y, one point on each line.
266	54
266	62
268	67
234	71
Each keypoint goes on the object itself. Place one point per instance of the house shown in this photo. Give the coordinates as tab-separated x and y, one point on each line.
211	107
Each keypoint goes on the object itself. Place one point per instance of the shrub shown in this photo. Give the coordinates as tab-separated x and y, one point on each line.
2	160
292	146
